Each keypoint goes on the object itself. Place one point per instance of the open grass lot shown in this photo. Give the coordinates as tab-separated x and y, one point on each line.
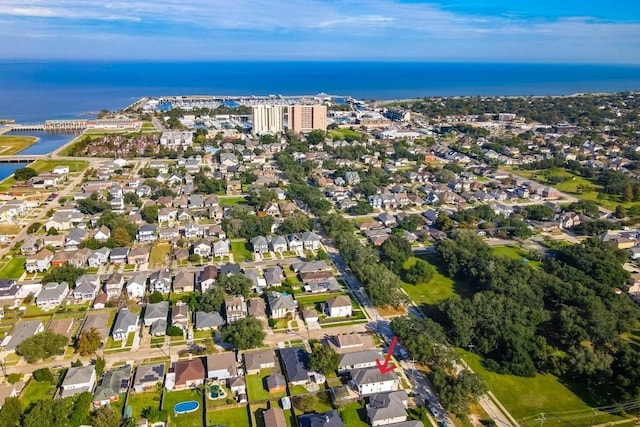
525	397
35	391
158	256
344	134
233	417
515	253
41	166
257	387
354	414
231	201
140	401
440	287
171	398
241	251
13	269
9	229
13	144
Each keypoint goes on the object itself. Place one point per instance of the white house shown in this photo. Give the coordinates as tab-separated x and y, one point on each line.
137	285
126	322
370	380
339	306
78	380
52	295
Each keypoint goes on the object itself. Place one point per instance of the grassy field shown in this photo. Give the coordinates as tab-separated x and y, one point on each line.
354	414
231	201
171	398
344	133
234	417
158	256
13	144
13	269
525	397
41	166
140	401
35	391
440	287
241	251
9	229
515	253
257	387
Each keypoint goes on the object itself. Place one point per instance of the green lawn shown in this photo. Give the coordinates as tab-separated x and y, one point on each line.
171	398
231	201
311	300
140	401
297	389
158	256
524	397
241	251
257	387
354	414
7	183
440	287
344	133
233	417
13	269
13	144
35	391
130	339
48	165
515	253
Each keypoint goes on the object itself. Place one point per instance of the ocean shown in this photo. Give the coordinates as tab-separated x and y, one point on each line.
36	91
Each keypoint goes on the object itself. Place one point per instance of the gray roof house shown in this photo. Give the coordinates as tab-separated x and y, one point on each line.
324	419
204	320
125	323
257	308
387	408
295	361
295	242
310	240
78	380
159	328
281	305
260	244
370	381
113	383
119	254
221	248
358	360
75	237
147	376
155	312
278	244
254	361
52	295
273	276
22	331
160	281
183	281
87	287
99	257
180	316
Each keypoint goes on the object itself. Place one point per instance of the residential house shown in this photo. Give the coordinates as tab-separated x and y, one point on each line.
281	306
156	312
146	233
118	255
137	285
339	306
296	362
126	322
358	360
221	248
160	281
238	386
287	208
138	256
202	248
78	258
260	245
30	246
114	284
183	281
39	262
189	373
207	277
100	301
228	269
276	383
370	381
295	242
60	259
234	187
167	215
324	419
349	343
272	209
278	244
274	417
205	321
387	408
52	295
75	238
147	377
257	308
192	231
99	257
310	241
352	178
56	242
235	308
78	379
112	384
221	366
273	276
180	316
87	287
255	361
22	331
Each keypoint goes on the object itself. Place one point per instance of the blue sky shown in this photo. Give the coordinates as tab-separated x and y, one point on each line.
567	31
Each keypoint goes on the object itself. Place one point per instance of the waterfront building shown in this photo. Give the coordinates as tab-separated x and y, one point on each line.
268	119
305	118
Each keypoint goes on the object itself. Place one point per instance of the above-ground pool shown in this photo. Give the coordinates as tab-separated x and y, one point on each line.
185	407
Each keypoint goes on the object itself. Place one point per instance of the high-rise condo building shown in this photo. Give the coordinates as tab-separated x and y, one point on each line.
268	119
305	118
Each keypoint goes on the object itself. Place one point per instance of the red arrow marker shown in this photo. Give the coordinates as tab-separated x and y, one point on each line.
384	367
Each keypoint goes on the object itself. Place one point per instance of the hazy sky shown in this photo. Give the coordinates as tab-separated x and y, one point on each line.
591	31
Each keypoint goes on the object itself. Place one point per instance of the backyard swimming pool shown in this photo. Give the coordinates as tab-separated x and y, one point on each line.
186	407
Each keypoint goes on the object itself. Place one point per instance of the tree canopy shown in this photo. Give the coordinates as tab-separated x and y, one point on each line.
244	333
42	346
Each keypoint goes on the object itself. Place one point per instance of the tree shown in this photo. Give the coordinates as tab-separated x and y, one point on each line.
321	255
105	417
362	208
316	136
195	258
11	412
67	273
420	272
261	197
443	222
620	212
154	414
50	413
131	198
43	375
297	222
99	366
539	212
88	342
150	214
244	334
121	237
24	174
411	222
41	346
305	403
395	251
80	414
627	194
324	359
14	378
235	284
155	297
33	228
52	231
175	331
